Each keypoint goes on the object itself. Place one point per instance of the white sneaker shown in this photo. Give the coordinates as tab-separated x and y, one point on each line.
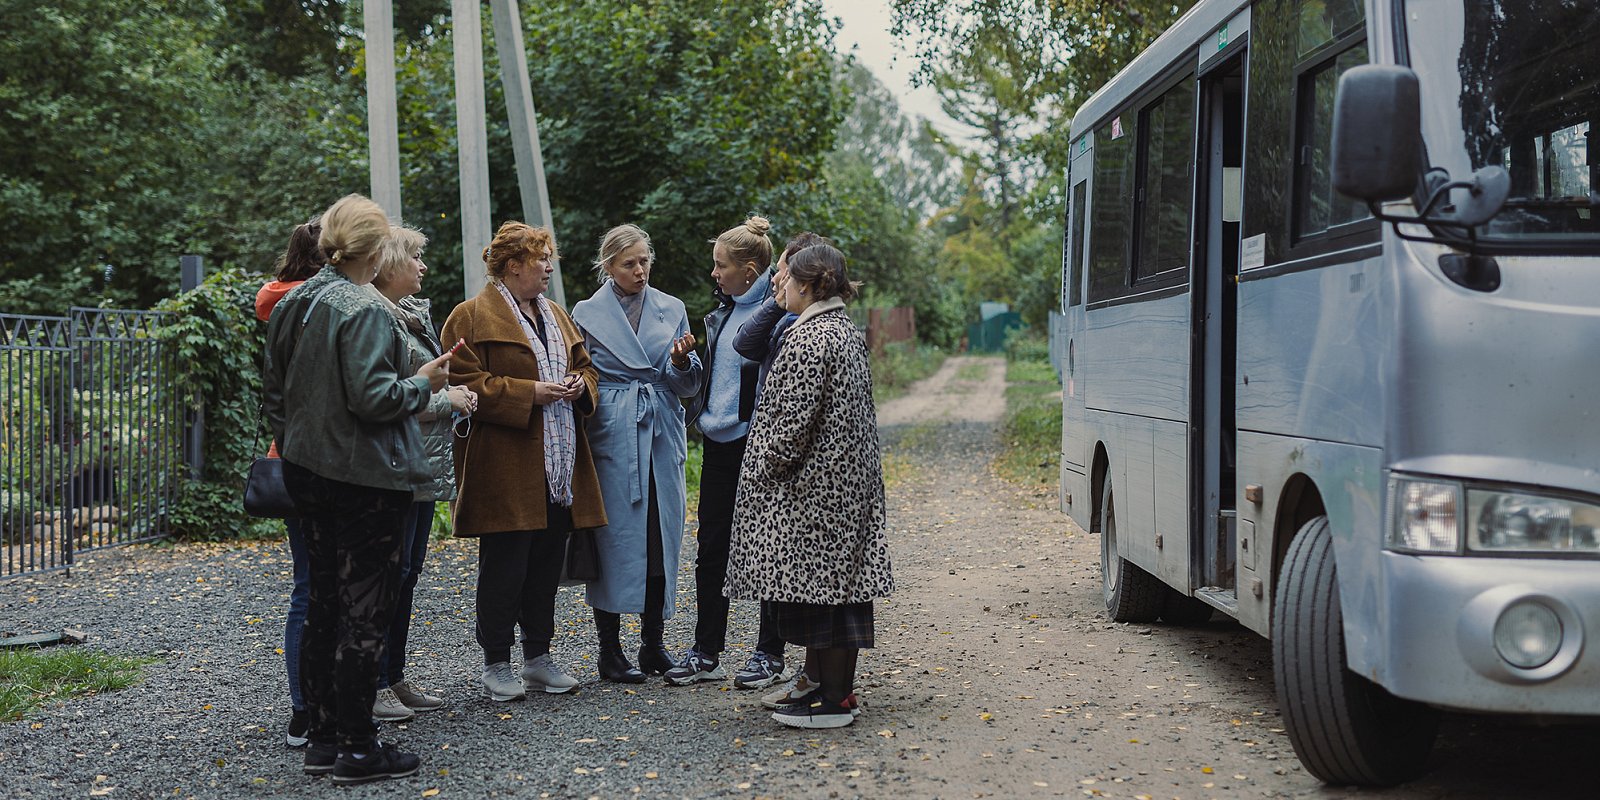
502	682
388	708
792	692
542	674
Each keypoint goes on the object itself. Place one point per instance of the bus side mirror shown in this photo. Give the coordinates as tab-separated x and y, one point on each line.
1377	126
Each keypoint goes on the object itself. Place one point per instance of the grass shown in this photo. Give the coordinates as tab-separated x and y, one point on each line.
1032	428
32	677
900	365
972	372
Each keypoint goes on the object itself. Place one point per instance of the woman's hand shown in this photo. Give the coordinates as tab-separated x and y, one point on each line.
437	371
545	392
462	399
681	348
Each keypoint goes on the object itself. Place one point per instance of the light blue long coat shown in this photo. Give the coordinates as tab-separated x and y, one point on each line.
639	424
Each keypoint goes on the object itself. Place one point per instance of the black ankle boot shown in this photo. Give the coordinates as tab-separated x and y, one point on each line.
653	657
614	665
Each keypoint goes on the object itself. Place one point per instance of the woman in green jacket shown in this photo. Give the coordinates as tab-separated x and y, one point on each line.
342	406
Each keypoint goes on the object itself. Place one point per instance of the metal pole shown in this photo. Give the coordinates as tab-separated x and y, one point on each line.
194	435
472	141
383	118
524	125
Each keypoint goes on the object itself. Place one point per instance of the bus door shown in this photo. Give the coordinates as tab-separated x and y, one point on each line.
1215	291
1074	450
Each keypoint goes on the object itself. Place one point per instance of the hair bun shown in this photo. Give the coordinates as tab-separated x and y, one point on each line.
758	225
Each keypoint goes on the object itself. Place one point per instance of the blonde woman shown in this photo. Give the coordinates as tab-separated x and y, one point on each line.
722	410
641	344
398	283
342	402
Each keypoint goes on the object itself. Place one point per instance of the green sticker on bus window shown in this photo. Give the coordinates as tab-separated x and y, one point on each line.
1222	37
1083	145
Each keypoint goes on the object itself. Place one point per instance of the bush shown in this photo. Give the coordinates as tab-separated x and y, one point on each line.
217	344
899	365
1025	344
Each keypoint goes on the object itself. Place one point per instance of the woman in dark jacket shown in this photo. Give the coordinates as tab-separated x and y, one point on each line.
524	474
722	411
399	279
342	405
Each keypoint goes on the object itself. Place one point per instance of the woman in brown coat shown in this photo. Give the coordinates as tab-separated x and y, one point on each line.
524	473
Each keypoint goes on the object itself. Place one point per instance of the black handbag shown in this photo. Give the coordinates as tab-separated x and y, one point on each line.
264	492
582	562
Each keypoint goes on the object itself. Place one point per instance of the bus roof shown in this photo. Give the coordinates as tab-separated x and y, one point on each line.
1178	40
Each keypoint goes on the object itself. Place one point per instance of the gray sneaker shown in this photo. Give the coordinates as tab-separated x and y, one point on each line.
502	682
415	698
542	674
388	708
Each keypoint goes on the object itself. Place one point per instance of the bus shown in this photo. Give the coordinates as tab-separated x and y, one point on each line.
1330	272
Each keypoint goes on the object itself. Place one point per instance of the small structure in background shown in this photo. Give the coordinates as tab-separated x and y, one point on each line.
989	334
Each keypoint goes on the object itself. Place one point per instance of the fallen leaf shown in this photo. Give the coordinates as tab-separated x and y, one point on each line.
429	792
886	733
585	741
651	775
1207	770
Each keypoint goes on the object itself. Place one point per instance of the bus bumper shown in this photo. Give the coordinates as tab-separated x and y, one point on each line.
1441	614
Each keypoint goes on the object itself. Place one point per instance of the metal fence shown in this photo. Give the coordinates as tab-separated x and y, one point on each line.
91	435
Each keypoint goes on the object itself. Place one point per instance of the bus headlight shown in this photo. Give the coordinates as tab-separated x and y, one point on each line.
1426	516
1515	522
1527	634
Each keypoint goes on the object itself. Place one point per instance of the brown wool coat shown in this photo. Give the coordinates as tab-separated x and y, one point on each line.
500	475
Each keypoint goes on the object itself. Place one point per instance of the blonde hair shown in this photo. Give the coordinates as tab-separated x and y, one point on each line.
748	242
517	241
401	245
352	229
619	239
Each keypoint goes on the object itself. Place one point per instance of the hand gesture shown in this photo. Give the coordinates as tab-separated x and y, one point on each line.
681	348
437	371
463	401
545	392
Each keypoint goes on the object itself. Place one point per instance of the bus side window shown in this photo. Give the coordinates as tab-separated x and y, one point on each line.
1074	272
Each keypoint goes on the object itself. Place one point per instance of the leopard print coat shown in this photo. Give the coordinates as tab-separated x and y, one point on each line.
808	522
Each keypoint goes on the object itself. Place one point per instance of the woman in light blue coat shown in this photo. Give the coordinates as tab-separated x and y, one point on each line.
639	340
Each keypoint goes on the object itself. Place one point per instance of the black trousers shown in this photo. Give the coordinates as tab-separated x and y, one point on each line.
518	575
352	537
719	486
416	530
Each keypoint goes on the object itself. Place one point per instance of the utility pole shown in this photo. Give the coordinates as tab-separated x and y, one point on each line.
524	126
472	132
383	118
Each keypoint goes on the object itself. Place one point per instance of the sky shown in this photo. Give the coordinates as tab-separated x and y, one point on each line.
866	33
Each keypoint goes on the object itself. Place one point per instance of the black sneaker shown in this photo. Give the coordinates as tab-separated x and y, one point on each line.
694	668
381	762
816	711
299	727
320	758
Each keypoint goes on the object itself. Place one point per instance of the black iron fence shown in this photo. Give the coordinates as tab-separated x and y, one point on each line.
91	435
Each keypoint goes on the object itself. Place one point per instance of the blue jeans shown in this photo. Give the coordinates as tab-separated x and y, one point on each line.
413	549
299	601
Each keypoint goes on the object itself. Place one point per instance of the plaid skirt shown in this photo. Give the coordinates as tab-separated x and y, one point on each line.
823	626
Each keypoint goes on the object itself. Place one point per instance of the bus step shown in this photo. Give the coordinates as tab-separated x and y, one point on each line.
1221	599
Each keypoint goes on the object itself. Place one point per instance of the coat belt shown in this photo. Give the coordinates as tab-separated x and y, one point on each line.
644	396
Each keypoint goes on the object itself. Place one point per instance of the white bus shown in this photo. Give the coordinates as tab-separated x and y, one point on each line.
1368	429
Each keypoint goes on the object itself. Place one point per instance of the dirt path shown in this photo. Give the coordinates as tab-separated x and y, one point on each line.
997	675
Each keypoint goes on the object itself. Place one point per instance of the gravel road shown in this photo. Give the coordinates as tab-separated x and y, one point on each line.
997	675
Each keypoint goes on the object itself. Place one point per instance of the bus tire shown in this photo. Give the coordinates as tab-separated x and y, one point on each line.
1181	609
1346	729
1130	593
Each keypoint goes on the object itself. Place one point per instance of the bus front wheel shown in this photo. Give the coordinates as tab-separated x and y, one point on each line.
1130	593
1345	728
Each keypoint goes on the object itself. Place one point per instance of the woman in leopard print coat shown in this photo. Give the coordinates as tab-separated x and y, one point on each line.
808	529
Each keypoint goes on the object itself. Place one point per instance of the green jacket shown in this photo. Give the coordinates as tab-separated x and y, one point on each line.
338	394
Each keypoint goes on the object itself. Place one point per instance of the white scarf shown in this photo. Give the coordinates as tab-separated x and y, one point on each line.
560	430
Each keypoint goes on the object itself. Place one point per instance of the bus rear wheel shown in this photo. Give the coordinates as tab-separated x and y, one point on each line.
1130	593
1345	728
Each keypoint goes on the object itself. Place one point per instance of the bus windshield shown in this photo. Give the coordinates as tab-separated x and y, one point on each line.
1514	83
